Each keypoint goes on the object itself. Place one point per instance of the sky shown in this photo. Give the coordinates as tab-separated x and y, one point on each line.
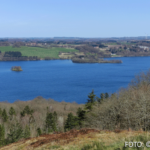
74	18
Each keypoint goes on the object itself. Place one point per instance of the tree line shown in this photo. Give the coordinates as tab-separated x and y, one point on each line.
12	54
16	131
16	55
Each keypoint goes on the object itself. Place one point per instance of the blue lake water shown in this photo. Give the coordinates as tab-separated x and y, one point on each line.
64	80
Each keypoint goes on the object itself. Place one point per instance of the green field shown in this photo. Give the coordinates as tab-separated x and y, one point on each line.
111	43
127	43
37	51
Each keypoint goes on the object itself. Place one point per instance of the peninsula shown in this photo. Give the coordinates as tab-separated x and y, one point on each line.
93	60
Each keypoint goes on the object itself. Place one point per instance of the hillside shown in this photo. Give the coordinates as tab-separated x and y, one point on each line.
84	139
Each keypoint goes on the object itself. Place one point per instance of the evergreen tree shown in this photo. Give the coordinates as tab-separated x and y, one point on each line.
27	111
102	96
39	132
2	135
4	115
91	97
55	118
22	113
55	115
81	115
11	112
91	101
27	132
0	112
106	95
50	122
71	122
16	133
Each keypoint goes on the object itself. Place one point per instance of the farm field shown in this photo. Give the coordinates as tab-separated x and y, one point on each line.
37	51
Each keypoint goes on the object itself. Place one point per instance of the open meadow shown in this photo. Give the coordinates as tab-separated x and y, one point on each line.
37	51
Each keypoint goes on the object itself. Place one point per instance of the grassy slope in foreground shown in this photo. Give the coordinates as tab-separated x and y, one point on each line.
84	139
37	51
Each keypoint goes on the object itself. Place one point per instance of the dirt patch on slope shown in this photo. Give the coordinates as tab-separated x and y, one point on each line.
67	136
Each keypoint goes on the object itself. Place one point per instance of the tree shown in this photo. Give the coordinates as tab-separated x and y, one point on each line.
2	135
4	115
106	95
0	112
16	133
71	122
55	116
12	54
50	122
31	120
11	112
39	132
81	115
27	111
91	101
98	99
102	96
27	132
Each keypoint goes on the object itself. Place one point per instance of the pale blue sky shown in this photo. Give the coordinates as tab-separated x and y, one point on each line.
74	18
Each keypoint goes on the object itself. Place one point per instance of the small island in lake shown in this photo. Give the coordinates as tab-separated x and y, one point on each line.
16	68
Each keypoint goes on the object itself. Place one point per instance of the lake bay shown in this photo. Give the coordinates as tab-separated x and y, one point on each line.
64	80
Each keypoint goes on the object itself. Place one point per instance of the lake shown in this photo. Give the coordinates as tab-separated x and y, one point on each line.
64	80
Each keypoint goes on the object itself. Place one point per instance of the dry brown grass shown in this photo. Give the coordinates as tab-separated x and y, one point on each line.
73	140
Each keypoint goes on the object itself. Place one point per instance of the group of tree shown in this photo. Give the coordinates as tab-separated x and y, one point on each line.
129	109
12	54
4	43
78	120
3	115
26	111
17	56
18	44
85	49
51	122
16	131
